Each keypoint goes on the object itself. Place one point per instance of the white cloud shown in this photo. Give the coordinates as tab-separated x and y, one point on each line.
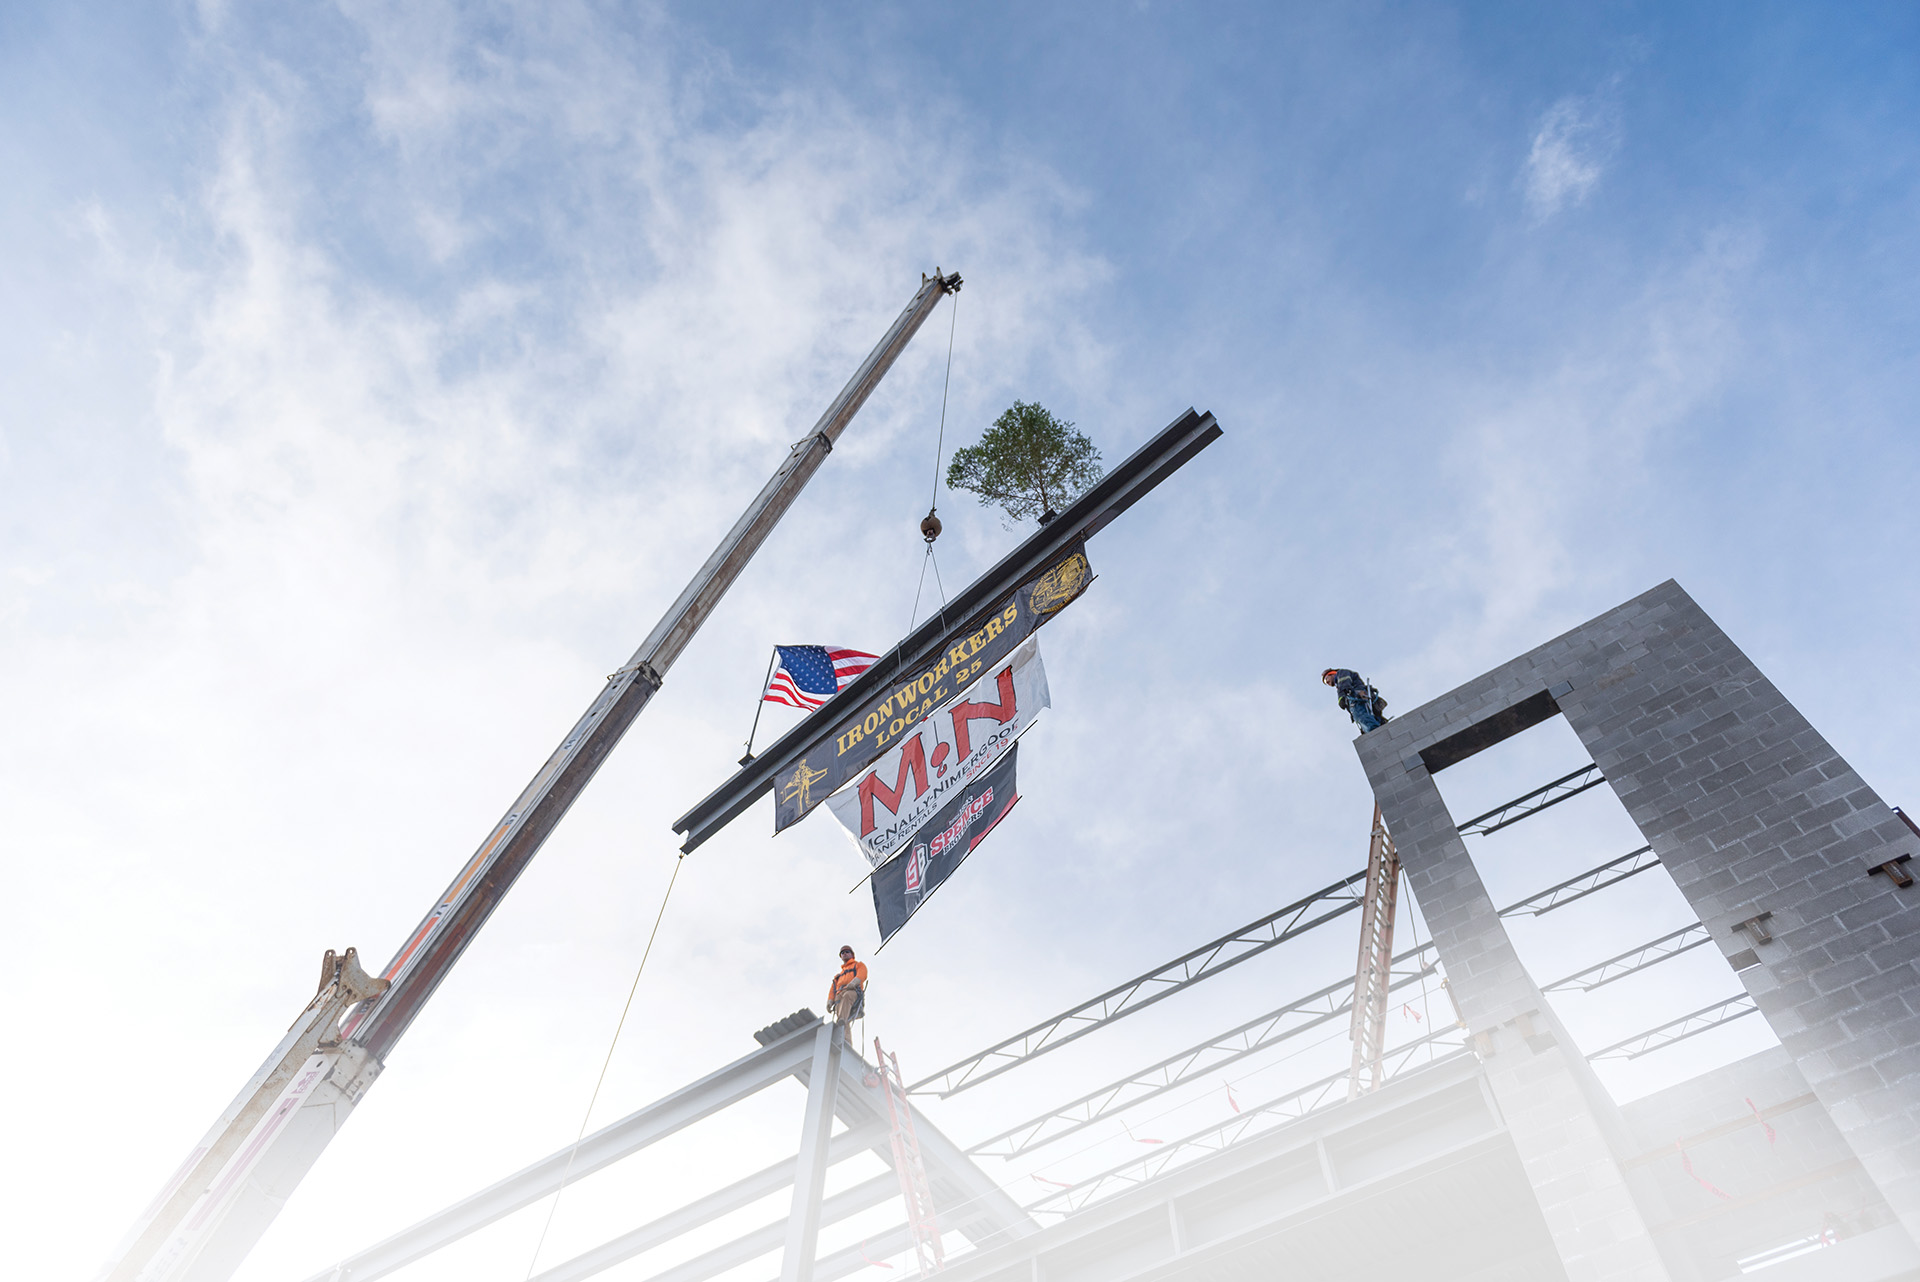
1570	149
418	510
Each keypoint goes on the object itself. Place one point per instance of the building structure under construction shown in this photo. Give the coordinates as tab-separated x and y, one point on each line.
1477	1144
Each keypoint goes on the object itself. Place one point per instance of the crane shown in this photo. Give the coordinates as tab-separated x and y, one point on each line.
225	1195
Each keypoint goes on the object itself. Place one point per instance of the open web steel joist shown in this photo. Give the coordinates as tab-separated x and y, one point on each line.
1156	985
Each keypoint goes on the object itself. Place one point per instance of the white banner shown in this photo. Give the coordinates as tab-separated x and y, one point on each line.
890	800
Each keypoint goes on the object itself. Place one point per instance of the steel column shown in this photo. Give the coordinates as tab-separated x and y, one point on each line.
810	1167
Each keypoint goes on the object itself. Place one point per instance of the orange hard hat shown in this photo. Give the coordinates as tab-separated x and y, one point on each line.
846	950
1330	672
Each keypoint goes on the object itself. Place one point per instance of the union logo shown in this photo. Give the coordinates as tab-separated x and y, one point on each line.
1061	584
800	785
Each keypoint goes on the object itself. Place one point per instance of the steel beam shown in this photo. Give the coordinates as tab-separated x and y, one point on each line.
751	1246
700	1211
1271	1029
1143	991
1679	1030
1634	960
1289	1107
981	1207
854	1258
1608	874
810	1167
1533	803
745	1076
1113	494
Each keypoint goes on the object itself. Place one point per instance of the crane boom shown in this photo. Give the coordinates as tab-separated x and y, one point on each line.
228	1191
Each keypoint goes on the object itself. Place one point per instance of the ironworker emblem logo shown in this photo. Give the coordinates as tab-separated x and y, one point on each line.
800	784
1061	584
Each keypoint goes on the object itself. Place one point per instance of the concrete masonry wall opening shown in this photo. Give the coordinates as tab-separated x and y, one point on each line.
1560	842
1784	852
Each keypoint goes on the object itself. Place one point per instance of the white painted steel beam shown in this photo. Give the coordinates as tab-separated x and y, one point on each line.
810	1167
705	1210
745	1076
988	1209
752	1245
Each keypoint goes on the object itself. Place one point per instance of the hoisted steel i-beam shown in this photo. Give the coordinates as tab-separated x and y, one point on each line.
232	1185
1129	482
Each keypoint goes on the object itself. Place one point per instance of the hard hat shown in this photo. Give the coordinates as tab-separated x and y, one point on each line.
1330	672
846	950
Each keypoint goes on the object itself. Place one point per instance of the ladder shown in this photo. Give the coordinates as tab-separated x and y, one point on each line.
922	1222
1373	975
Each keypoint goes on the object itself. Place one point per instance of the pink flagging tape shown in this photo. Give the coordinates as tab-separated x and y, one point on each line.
1772	1134
1686	1164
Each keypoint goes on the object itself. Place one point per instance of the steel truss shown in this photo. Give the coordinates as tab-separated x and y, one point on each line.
1373	971
1651	953
1253	1118
1679	1030
1271	1029
1594	879
1533	803
1143	991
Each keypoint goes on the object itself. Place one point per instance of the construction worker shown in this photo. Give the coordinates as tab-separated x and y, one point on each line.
1358	698
847	995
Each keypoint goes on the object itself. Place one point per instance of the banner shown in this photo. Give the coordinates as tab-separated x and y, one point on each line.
902	792
902	884
870	729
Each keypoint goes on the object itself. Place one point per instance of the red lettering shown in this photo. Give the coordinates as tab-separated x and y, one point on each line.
913	758
966	710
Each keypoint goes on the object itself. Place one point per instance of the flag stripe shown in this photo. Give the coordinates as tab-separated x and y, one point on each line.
806	676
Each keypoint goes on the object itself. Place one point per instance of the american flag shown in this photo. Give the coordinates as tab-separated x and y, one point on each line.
806	676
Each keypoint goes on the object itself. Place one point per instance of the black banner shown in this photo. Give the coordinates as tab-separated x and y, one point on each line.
931	855
860	736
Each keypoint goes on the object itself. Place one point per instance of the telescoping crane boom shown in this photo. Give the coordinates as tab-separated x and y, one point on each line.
234	1182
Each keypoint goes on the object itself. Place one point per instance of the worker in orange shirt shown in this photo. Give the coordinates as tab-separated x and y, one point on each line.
847	995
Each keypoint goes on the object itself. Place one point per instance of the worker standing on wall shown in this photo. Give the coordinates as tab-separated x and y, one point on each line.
847	995
1358	698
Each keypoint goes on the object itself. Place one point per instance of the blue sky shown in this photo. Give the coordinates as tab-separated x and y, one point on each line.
376	374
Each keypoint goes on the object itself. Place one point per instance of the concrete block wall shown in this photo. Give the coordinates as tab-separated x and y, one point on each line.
1748	808
1766	1190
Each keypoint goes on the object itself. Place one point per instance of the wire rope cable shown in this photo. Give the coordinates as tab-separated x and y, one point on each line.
933	499
941	440
604	1065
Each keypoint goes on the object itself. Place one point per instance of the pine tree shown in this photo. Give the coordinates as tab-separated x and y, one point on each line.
1029	463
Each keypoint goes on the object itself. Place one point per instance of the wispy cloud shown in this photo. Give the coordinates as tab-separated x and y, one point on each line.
1571	147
